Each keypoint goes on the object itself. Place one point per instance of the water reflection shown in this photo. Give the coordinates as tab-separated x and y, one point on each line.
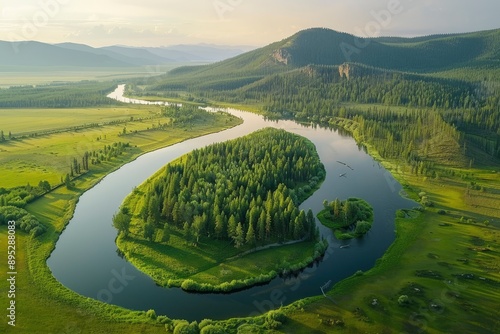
85	258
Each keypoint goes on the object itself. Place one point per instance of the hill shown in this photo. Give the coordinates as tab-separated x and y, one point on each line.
42	54
37	54
388	86
321	46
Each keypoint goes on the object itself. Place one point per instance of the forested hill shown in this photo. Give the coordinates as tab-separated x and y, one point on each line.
321	46
387	87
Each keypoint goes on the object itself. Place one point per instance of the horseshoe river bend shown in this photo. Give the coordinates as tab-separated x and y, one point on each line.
86	259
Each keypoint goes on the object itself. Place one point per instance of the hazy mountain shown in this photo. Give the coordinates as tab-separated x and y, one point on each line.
138	53
38	54
41	54
200	52
115	54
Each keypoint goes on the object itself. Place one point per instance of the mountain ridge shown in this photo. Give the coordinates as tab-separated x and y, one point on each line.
35	54
417	54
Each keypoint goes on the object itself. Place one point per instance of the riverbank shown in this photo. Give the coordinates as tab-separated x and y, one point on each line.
215	267
103	201
437	261
55	209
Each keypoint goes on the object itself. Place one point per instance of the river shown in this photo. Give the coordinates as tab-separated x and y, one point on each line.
86	260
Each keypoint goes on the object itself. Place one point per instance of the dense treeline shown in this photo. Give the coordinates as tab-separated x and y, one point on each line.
430	110
411	136
20	196
246	190
185	114
73	95
314	91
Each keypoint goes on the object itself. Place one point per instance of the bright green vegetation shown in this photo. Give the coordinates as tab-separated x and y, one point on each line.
446	265
38	292
47	153
26	122
194	223
348	219
24	220
435	128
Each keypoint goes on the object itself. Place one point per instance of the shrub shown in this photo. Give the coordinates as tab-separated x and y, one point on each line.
151	314
403	300
362	227
212	329
400	214
162	319
274	319
184	327
441	212
24	221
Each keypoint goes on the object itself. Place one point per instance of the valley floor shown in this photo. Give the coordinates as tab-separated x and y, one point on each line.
447	266
447	263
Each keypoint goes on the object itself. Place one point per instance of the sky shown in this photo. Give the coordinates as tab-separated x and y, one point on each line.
233	22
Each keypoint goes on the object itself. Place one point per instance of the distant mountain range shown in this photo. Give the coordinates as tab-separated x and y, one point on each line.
32	53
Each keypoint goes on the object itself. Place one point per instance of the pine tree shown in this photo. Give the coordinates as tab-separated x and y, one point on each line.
231	228
166	234
149	230
239	237
67	181
336	208
250	238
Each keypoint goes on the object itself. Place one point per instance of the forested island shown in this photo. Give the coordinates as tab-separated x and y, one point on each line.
226	200
348	219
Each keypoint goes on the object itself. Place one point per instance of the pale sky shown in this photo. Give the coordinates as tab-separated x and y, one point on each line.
233	22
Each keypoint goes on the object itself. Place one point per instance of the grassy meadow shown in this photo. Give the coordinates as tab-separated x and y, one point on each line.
46	157
447	266
211	262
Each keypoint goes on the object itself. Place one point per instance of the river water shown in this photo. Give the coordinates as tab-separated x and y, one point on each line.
86	259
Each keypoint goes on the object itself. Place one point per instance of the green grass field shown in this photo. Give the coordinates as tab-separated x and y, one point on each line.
426	262
39	293
48	157
448	269
211	262
20	121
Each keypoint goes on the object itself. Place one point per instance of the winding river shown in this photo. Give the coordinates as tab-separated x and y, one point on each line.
86	259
